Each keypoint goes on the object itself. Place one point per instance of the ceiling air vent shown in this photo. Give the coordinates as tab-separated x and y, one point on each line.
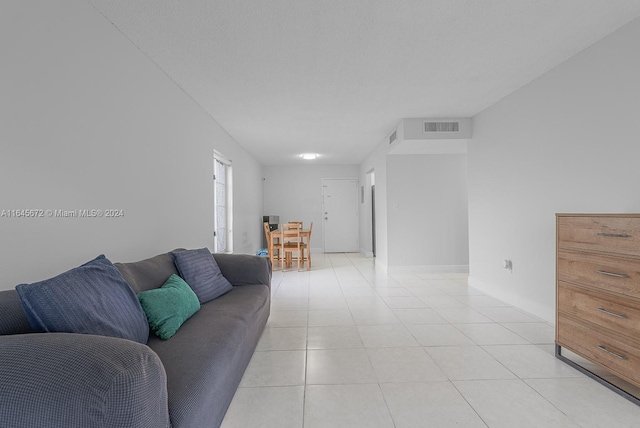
393	136
441	126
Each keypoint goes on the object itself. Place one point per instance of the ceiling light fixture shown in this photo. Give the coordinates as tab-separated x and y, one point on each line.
309	156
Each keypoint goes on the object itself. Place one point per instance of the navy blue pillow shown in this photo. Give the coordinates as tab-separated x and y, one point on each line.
199	269
92	299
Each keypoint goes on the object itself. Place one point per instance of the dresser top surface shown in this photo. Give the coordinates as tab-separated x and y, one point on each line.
597	215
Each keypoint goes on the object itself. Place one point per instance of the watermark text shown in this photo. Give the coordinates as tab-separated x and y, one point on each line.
62	213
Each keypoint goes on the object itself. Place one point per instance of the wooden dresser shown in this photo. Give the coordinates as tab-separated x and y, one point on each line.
598	293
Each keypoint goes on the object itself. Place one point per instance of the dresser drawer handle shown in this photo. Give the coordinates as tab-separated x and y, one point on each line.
613	314
615	354
617	275
614	235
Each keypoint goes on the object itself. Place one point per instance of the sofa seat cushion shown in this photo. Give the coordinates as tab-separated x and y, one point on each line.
206	358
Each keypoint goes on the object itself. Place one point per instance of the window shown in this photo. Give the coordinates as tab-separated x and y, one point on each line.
222	231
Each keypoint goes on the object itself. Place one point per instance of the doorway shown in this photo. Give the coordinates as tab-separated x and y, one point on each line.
340	215
371	181
373	220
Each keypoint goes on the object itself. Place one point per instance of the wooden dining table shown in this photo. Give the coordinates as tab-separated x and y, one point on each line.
304	233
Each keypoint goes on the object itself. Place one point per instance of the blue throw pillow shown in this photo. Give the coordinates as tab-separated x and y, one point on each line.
92	299
199	269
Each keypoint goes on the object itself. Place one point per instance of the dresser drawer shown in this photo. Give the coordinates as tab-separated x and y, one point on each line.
620	357
620	315
615	274
593	233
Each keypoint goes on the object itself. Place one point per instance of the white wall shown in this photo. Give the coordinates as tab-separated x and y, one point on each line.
247	195
568	142
89	122
427	212
415	183
295	194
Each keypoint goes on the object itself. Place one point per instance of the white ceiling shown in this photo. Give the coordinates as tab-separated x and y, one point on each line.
285	77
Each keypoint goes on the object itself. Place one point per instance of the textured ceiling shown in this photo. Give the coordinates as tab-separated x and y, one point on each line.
285	77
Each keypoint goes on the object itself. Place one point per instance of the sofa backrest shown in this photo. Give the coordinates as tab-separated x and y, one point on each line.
239	269
12	317
149	273
141	276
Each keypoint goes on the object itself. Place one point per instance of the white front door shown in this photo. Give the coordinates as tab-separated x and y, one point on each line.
340	213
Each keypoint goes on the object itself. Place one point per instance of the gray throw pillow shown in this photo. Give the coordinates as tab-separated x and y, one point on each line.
199	269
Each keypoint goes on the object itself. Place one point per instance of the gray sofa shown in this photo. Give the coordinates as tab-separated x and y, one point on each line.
81	380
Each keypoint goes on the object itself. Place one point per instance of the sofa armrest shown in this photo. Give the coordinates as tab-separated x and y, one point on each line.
244	269
80	380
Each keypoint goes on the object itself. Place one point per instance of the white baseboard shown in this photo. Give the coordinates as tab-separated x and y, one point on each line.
543	312
428	269
366	253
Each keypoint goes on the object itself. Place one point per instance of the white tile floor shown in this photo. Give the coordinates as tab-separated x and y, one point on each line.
347	346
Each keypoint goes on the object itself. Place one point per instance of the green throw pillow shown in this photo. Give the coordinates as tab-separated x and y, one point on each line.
169	306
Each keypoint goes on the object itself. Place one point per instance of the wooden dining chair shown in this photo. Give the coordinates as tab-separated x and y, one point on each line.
290	242
288	227
293	225
306	247
272	249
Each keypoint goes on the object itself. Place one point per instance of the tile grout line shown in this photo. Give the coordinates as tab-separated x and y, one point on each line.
470	405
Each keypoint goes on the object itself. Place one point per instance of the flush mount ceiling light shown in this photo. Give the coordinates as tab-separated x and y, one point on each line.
309	156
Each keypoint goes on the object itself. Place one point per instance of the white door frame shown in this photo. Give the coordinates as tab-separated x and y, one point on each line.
218	157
